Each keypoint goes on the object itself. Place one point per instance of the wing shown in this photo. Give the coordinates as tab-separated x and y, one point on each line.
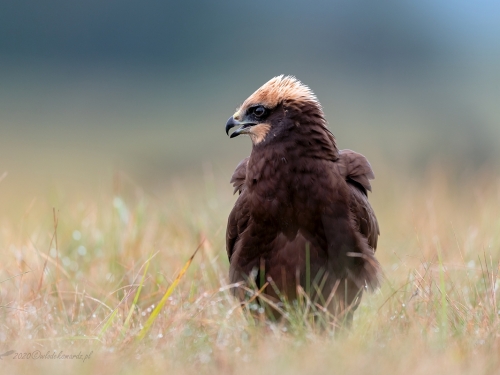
236	223
239	176
352	240
364	216
357	171
239	216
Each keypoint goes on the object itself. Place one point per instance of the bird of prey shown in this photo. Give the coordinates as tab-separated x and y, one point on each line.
302	218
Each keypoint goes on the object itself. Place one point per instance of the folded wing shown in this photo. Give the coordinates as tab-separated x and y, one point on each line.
358	172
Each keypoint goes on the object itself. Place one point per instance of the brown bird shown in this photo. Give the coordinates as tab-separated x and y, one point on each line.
302	217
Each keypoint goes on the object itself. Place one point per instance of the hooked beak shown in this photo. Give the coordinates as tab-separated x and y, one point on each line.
243	129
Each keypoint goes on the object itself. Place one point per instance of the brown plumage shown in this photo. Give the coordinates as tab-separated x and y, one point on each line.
299	197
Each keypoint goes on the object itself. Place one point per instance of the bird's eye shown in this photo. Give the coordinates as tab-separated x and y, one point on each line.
259	111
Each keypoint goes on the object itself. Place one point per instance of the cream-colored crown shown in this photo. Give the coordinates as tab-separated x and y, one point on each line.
279	89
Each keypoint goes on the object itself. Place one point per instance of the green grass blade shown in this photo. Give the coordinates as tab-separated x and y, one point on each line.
108	323
171	288
136	297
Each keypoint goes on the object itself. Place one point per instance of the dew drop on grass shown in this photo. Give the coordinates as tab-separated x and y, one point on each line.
204	357
122	210
77	235
82	250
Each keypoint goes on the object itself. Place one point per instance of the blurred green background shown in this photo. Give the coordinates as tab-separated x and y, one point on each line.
88	88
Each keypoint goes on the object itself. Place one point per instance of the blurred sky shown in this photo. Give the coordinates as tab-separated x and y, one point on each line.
146	87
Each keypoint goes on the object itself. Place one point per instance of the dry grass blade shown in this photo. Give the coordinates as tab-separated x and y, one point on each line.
54	236
171	288
19	274
12	308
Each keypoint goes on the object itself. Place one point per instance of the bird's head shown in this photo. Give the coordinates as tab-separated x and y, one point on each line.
280	105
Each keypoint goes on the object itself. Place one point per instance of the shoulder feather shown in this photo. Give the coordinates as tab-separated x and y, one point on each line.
354	166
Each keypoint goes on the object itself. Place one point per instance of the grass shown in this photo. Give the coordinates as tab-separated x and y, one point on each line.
97	276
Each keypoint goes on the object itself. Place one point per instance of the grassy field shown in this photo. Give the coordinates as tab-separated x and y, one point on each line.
84	275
